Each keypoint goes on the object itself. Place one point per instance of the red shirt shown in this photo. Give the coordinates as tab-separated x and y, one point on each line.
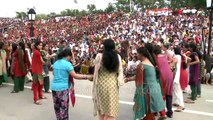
16	66
37	66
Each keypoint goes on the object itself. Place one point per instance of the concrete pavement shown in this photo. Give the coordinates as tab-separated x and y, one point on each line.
20	106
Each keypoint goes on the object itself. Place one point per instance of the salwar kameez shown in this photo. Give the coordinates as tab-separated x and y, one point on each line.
18	84
148	97
3	70
46	71
46	79
37	87
37	69
106	88
166	76
19	69
177	91
194	75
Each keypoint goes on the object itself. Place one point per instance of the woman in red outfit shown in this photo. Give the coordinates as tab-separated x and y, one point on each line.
20	68
183	73
37	69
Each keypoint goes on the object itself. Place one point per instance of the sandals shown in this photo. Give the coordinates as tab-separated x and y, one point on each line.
29	81
190	101
162	118
43	97
169	115
176	105
180	109
49	91
198	96
14	91
37	102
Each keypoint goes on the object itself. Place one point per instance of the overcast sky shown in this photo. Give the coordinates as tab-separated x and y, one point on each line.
8	8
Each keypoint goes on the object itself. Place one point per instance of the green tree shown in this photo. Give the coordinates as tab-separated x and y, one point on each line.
110	8
41	16
52	14
82	13
91	8
63	13
188	3
122	5
76	12
71	12
21	15
151	4
100	11
144	4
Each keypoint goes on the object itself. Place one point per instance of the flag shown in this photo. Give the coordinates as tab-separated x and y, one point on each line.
72	91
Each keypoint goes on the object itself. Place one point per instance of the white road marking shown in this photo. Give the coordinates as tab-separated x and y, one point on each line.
209	100
132	103
83	96
126	103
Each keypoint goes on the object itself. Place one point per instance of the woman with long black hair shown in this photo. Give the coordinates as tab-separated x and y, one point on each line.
150	47
194	72
14	48
148	97
179	85
108	76
37	70
20	68
166	77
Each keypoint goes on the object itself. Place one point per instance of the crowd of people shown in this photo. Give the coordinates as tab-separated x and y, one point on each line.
110	50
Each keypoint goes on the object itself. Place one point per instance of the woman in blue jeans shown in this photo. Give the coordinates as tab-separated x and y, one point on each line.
62	68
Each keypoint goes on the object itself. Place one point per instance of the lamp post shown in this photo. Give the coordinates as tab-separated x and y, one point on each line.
203	44
31	17
208	58
157	4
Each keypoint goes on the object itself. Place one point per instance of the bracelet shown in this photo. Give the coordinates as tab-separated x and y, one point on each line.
85	76
127	79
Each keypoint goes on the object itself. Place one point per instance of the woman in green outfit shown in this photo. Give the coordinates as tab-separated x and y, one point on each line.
148	97
45	55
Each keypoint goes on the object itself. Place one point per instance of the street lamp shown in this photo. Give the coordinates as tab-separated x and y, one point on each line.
209	4
31	17
208	58
157	4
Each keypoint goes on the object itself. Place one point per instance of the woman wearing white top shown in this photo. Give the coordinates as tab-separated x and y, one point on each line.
29	76
177	91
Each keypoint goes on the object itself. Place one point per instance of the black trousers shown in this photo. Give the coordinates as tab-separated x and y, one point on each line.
1	80
169	105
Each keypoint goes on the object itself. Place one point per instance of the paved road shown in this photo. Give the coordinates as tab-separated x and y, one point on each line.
20	106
